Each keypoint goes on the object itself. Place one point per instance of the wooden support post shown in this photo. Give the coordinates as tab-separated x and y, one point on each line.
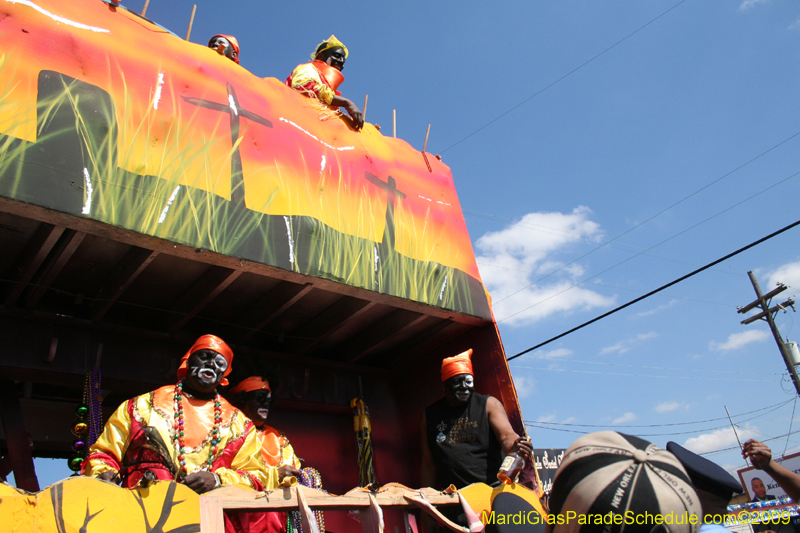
364	113
17	440
144	11
394	123
191	21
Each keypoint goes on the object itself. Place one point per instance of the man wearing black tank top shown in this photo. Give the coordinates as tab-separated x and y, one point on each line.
465	434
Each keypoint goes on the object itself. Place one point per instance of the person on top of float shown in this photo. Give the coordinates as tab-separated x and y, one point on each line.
320	78
253	396
225	45
185	432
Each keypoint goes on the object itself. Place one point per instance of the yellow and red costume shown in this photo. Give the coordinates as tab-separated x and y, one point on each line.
275	452
316	78
125	446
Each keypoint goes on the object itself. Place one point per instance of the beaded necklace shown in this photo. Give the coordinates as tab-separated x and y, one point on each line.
178	433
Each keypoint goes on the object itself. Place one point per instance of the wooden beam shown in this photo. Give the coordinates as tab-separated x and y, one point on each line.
374	334
164	246
276	302
420	347
202	292
62	252
388	340
127	270
328	320
17	440
44	238
346	320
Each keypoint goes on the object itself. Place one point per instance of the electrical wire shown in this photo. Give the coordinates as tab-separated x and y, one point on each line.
645	375
765	152
790	426
565	76
654	246
670	284
556	359
773	407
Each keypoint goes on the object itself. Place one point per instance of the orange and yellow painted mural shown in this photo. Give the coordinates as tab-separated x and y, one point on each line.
188	146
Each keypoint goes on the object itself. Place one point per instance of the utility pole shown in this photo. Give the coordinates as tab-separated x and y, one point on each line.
767	313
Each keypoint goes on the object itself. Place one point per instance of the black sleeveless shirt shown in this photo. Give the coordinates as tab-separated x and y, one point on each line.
462	442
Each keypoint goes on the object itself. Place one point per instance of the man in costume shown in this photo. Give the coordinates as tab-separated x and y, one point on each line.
225	45
254	397
322	76
185	432
466	434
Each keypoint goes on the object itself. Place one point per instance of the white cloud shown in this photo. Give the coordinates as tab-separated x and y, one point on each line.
627	417
656	309
788	274
525	386
794	25
750	4
521	253
569	420
666	407
739	340
546	418
722	438
625	345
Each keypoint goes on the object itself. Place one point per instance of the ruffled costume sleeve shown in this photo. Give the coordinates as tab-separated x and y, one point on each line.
106	454
307	79
239	463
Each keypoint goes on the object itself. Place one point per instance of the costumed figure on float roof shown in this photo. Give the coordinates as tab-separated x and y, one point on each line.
225	45
253	396
322	76
185	432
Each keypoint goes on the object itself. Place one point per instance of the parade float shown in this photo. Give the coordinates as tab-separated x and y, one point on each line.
146	199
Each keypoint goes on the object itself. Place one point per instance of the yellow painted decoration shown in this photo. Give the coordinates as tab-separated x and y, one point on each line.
94	506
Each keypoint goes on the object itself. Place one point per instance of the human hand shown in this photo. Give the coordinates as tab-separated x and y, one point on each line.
288	470
201	481
356	115
110	476
759	453
523	446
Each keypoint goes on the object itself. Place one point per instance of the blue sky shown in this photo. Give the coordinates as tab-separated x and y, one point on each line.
667	148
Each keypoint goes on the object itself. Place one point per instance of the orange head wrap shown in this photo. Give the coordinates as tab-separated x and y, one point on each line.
458	364
208	342
250	384
231	39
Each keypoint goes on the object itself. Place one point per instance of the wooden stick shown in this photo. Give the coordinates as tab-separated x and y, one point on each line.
364	113
425	146
146	3
394	123
191	21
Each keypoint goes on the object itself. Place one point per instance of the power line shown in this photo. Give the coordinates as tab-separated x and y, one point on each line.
648	249
697	378
570	73
670	284
773	406
765	152
613	427
656	367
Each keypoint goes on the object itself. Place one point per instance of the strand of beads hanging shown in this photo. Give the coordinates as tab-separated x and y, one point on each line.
309	477
178	430
80	428
94	402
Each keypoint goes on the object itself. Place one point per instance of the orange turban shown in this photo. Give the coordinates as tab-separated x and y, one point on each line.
208	342
458	364
250	384
231	39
